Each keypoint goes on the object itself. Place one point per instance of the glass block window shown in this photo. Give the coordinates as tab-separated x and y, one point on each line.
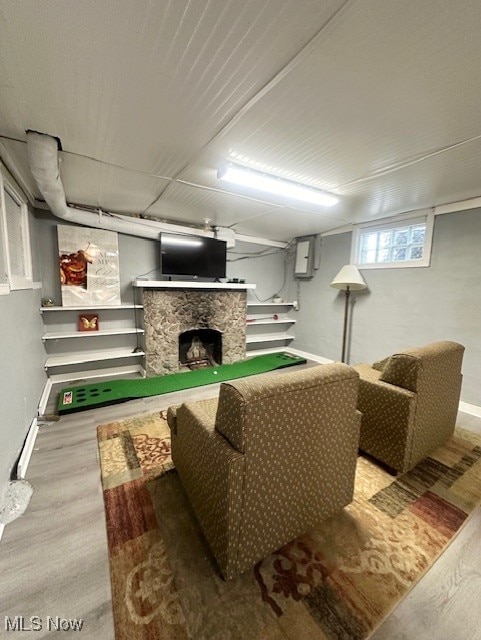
393	244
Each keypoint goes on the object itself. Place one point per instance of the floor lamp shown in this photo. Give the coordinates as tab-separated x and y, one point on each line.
348	279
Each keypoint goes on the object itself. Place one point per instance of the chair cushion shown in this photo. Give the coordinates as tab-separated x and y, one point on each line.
401	370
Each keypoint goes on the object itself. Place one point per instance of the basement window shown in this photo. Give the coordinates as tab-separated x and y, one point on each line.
15	261
393	244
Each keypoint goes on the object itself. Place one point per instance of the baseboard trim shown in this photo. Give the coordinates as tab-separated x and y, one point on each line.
42	405
24	459
309	356
471	409
27	450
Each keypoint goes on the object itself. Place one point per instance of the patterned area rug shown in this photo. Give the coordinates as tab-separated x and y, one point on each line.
338	581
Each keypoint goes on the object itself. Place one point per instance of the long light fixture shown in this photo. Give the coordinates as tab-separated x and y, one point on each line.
237	174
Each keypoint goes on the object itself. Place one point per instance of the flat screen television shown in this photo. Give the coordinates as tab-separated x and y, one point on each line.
196	256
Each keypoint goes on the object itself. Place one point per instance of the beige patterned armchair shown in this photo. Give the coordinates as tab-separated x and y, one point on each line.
409	403
274	455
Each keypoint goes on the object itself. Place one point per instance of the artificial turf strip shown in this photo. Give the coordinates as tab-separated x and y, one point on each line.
88	396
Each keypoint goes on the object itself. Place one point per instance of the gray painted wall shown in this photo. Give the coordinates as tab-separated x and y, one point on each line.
140	257
403	307
21	371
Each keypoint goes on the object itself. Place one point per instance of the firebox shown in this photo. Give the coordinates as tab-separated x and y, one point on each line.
199	348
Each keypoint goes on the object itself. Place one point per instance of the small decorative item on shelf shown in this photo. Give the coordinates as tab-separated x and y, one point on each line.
276	299
88	322
274	317
48	302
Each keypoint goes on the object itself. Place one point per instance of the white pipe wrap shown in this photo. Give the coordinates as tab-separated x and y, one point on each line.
43	160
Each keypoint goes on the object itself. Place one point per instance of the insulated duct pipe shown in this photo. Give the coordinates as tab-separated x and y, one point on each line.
43	160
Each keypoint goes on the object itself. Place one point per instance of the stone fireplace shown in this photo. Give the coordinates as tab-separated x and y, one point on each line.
179	320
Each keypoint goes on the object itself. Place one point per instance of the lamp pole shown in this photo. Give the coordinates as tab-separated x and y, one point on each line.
347	293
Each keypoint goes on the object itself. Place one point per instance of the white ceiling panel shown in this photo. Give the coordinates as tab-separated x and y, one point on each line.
358	97
192	204
143	83
14	155
393	80
443	178
111	188
284	224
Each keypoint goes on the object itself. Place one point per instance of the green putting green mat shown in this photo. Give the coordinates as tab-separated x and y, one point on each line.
88	396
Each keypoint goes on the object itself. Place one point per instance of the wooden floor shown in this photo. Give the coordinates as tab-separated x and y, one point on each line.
53	560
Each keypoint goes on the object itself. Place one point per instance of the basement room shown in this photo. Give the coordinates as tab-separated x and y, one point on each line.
239	246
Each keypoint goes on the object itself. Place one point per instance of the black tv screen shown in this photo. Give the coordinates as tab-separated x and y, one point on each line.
196	256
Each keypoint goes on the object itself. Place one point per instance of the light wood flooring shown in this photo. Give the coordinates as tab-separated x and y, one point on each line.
53	560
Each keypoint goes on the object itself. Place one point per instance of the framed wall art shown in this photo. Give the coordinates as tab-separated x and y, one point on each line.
88	266
88	322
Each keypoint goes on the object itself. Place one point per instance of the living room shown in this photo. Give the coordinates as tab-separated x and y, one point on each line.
387	122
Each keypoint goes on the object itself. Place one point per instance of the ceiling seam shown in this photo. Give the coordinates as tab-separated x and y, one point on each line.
229	193
407	163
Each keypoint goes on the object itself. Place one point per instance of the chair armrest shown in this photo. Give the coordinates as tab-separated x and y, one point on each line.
172	418
211	472
388	414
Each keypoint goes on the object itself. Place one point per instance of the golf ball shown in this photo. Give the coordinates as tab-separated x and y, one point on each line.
214	372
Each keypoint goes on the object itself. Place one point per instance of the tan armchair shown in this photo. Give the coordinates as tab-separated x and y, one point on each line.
409	403
274	455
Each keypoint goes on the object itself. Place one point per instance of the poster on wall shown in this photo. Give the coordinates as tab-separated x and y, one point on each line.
89	266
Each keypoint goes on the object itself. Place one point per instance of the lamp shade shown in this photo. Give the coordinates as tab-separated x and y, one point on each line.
349	276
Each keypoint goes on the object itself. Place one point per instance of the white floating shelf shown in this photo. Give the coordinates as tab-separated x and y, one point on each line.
86	376
90	334
268	337
264	352
93	307
90	356
255	323
270	304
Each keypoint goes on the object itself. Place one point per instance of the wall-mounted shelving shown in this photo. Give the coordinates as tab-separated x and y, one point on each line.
254	322
261	330
119	341
90	356
269	337
89	334
111	307
255	305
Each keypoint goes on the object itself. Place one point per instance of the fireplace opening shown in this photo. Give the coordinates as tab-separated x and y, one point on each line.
200	348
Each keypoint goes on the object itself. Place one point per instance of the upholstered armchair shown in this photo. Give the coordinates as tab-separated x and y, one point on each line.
409	403
268	459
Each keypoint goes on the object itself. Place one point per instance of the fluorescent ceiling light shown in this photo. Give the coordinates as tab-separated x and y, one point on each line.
237	174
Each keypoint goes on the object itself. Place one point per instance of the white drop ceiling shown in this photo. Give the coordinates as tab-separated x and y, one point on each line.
377	101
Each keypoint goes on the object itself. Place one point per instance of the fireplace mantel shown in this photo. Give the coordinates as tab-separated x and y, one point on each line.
190	284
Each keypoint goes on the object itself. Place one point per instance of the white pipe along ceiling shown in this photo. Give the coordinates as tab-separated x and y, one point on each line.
44	165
